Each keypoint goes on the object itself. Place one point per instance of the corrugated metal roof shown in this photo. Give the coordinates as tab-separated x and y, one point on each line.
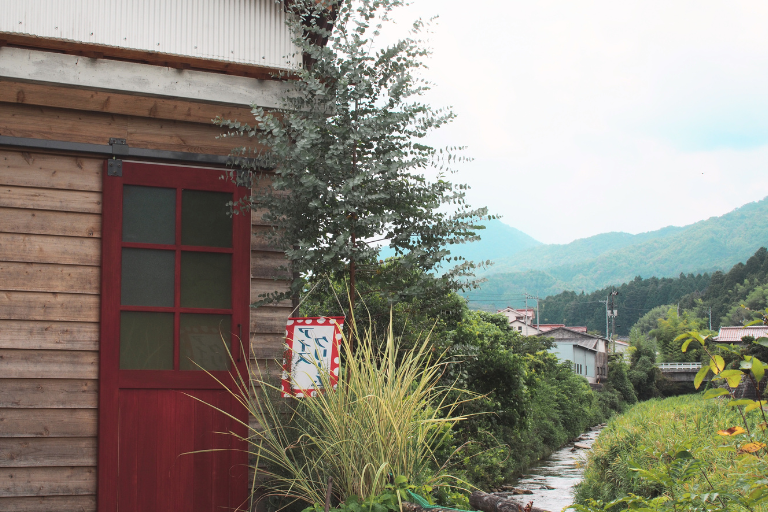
735	333
589	344
242	31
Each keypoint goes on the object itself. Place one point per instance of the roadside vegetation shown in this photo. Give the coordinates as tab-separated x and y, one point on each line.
637	450
432	397
526	403
698	452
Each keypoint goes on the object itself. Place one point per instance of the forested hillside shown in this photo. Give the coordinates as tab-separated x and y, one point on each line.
635	298
707	246
723	292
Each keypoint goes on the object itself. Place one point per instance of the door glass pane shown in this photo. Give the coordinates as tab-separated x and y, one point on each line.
149	215
146	341
205	218
202	340
147	277
206	280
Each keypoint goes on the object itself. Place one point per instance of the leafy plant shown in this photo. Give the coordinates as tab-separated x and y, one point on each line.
386	417
682	481
347	157
750	367
666	455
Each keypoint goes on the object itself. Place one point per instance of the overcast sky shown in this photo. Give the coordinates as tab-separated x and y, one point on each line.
586	117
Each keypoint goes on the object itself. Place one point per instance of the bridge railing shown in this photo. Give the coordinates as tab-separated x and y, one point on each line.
679	366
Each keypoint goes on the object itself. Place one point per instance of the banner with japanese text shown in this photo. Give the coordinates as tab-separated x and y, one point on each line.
313	348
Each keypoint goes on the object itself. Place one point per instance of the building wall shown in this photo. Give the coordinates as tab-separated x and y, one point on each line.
50	257
238	31
564	351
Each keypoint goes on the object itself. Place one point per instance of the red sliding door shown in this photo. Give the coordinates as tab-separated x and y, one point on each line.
175	292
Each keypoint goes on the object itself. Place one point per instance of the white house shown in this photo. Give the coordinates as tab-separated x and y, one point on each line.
587	352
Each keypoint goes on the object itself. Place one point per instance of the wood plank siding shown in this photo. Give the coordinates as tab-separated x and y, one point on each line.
50	279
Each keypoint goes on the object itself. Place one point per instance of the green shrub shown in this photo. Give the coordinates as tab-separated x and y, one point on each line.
386	417
650	434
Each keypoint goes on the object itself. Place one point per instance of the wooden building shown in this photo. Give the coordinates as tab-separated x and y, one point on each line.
118	263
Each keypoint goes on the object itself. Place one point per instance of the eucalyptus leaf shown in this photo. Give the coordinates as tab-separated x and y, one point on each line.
347	157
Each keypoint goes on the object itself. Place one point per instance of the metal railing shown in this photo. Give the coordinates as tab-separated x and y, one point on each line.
679	366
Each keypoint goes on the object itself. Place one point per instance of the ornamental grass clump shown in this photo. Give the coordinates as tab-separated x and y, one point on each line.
384	419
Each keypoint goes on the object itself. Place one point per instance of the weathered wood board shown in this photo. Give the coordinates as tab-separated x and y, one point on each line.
47	481
49	306
50	249
49	504
40	170
51	423
49	277
49	393
41	222
50	199
31	452
38	335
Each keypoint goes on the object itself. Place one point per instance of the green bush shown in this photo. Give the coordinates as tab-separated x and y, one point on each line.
386	417
648	436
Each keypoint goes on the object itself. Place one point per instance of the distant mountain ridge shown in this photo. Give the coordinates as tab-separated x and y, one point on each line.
609	259
497	241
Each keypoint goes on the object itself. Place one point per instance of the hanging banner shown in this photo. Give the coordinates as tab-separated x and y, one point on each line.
313	347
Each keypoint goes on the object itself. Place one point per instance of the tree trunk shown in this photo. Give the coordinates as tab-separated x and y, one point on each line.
350	322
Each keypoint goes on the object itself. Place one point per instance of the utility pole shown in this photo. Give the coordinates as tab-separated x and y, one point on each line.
710	318
526	314
536	298
606	316
613	313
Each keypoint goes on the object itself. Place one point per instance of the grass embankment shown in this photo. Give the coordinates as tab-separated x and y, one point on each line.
649	430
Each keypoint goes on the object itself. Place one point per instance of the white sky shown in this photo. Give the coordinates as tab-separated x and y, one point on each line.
594	116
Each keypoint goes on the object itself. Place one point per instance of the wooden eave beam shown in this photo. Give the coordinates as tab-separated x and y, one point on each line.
142	56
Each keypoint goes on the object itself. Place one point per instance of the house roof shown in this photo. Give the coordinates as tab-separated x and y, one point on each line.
735	333
549	327
589	344
574	330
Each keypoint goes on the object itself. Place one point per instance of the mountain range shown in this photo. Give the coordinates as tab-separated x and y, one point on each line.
524	265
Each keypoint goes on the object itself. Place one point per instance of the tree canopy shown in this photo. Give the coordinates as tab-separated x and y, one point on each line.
346	165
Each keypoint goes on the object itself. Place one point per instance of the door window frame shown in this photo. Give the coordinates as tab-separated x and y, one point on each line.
111	377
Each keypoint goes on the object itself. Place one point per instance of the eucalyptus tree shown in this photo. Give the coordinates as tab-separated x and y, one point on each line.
347	167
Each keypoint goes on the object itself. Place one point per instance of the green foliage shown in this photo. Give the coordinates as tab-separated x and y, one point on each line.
433	309
389	500
643	372
521	419
729	290
529	403
347	154
638	303
650	320
667	336
387	416
611	258
638	460
618	380
756	300
676	468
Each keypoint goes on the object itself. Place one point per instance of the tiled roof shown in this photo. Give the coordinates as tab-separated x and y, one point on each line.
549	327
735	333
